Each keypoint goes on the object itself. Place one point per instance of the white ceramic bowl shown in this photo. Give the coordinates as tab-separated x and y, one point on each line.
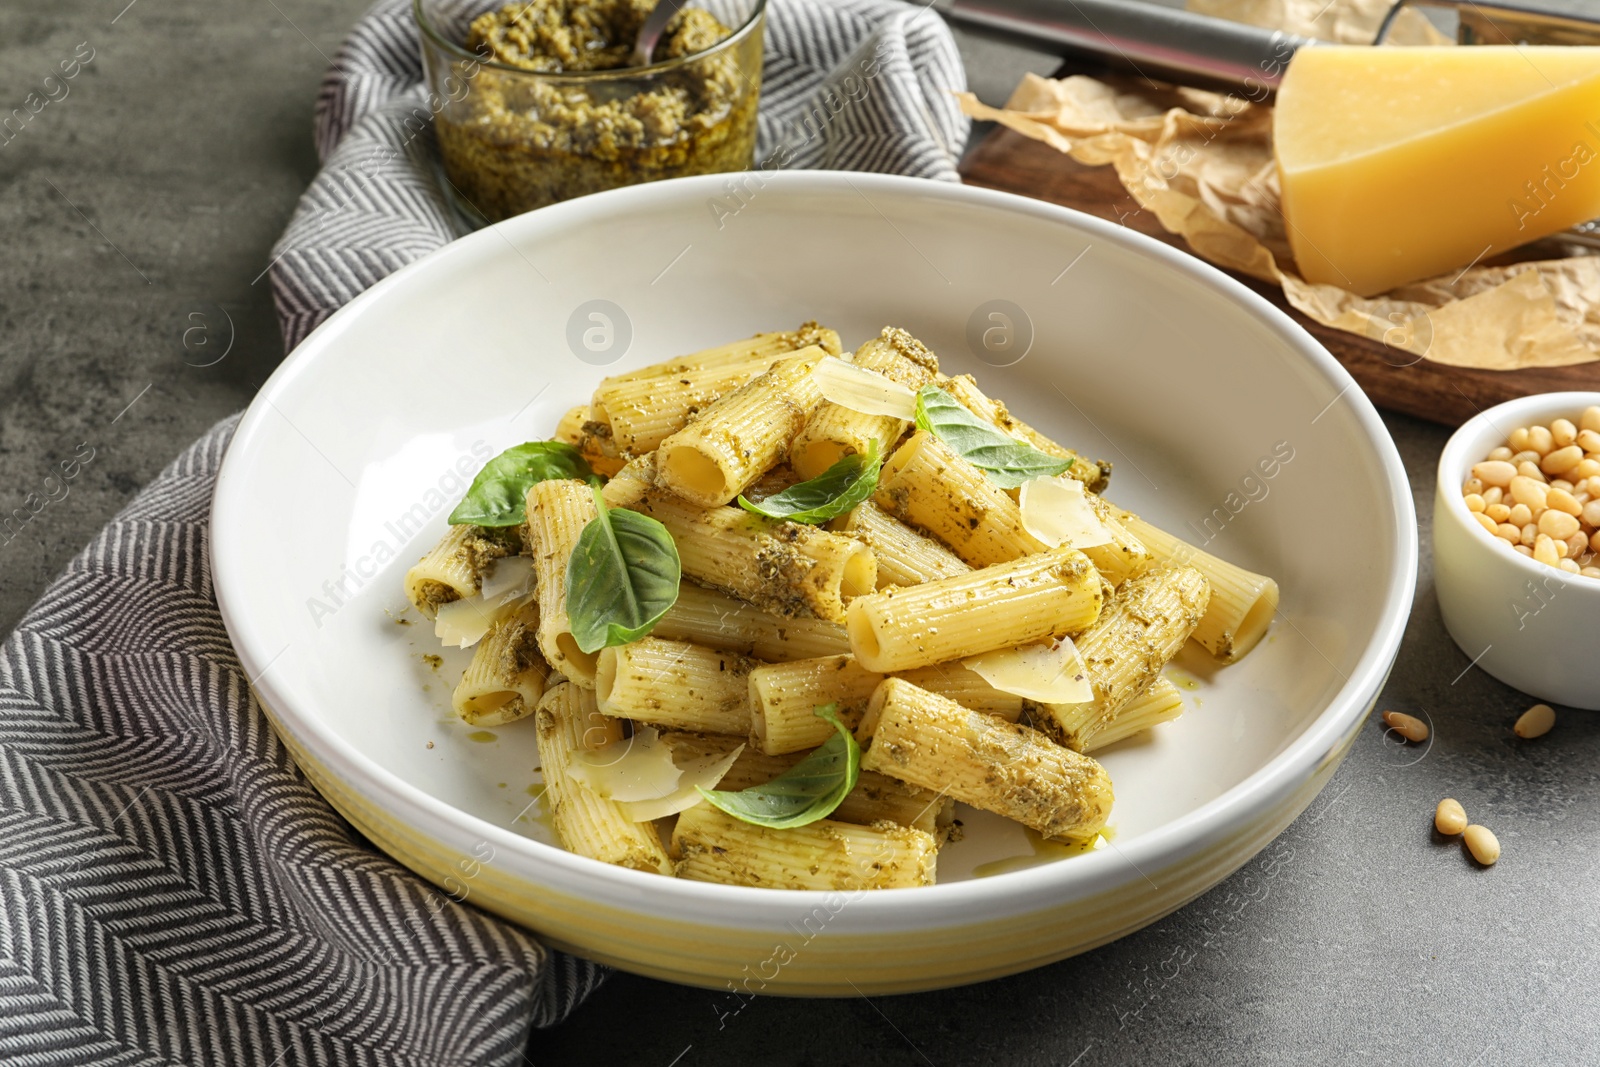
346	465
1530	625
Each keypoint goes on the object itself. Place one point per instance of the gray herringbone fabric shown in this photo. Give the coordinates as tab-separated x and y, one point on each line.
172	890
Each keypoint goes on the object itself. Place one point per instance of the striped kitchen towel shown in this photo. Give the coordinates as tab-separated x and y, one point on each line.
377	204
172	889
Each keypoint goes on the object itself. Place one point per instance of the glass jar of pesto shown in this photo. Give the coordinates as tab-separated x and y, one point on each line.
533	101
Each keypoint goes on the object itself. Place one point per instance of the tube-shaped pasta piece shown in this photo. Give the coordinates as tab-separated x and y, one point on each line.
875	797
741	436
1124	555
905	557
927	485
931	487
768	345
967	688
675	684
1007	768
1242	602
717	620
629	485
782	567
643	412
1159	703
453	568
1142	627
826	854
833	432
646	406
586	822
592	438
783	697
1095	474
507	674
558	510
1033	598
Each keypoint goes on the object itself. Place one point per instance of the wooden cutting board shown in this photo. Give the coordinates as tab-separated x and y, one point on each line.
1393	378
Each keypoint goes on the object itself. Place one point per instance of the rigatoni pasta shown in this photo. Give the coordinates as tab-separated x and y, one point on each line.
507	675
716	847
1030	599
742	435
558	510
795	667
587	823
675	684
1007	768
833	431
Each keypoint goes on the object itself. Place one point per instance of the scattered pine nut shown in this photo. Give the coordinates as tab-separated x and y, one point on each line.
1450	818
1481	842
1407	726
1535	722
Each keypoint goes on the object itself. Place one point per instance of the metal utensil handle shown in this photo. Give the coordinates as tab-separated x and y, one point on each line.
1154	41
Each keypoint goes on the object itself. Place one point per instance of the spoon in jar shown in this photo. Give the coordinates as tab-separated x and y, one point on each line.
650	33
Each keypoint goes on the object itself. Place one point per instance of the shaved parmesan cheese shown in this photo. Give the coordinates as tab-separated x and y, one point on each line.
463	623
863	390
1057	512
1049	673
511	573
639	774
506	584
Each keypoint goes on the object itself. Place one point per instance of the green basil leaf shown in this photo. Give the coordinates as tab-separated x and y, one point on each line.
831	493
806	792
1007	461
498	494
622	577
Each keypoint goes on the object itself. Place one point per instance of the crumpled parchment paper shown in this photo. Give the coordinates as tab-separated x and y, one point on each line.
1202	163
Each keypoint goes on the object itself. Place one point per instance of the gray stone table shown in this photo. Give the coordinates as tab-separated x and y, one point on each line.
143	203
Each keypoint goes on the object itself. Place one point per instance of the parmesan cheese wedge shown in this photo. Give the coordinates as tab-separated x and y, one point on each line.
863	390
1399	164
1050	673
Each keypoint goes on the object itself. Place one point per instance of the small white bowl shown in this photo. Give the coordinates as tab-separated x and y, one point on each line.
1530	625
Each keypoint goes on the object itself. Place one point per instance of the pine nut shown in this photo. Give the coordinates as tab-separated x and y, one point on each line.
1558	524
1517	459
1450	818
1498	512
1591	512
1518	439
1524	549
1562	460
1568	565
1590	419
1577	545
1474	502
1544	550
1560	483
1562	432
1481	842
1588	468
1540	439
1519	516
1486	522
1500	453
1509	533
1530	534
1526	491
1591	572
1563	500
1407	726
1589	440
1494	472
1495	495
